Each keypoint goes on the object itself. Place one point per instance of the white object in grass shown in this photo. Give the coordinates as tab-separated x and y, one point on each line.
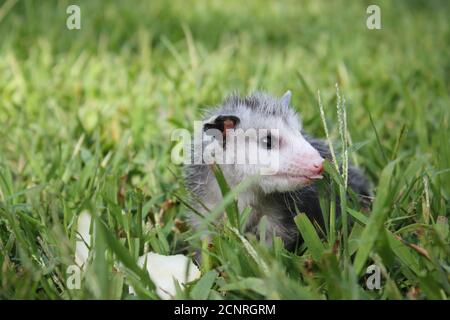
83	239
164	270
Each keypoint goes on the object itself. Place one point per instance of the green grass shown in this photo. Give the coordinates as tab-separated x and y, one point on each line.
86	118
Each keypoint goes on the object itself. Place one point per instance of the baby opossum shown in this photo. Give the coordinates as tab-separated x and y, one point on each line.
276	196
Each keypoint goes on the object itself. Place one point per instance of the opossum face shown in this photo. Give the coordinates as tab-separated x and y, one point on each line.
268	147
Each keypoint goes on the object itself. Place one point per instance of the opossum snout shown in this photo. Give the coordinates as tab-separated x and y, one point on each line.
315	166
318	167
312	164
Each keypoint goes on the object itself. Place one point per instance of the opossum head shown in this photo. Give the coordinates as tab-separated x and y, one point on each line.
260	137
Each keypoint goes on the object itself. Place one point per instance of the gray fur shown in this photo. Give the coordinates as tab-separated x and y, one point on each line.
257	111
259	106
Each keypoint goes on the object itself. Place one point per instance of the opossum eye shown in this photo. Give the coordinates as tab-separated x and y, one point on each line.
267	142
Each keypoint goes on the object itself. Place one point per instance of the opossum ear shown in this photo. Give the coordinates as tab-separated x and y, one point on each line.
286	98
222	123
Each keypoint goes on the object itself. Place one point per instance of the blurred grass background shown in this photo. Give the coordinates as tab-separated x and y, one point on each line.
86	115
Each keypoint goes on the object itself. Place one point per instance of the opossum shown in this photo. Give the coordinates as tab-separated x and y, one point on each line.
278	193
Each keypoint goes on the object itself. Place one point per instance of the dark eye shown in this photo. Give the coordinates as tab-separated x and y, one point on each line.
267	142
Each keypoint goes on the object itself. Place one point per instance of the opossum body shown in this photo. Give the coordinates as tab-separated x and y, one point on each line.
279	196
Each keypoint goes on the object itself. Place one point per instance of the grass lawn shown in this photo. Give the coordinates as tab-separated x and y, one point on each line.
86	118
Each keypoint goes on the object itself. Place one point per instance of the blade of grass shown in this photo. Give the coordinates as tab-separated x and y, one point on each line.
309	235
377	218
203	287
231	209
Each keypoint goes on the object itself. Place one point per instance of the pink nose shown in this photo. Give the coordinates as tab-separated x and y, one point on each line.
318	167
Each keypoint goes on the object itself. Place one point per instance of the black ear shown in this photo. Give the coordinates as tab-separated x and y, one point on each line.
222	123
219	125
